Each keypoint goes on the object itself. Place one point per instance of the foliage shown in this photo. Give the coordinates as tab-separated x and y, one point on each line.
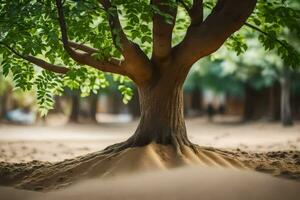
48	84
31	28
212	75
124	87
256	67
274	20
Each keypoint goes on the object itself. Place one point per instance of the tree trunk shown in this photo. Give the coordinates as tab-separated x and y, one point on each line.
1	108
116	103
93	107
162	117
3	104
296	105
196	100
134	105
286	114
248	104
74	115
57	106
274	102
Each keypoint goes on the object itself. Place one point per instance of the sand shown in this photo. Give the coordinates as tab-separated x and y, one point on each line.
262	147
44	176
189	183
269	145
58	142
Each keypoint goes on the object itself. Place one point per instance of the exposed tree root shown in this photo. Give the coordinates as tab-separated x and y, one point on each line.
118	159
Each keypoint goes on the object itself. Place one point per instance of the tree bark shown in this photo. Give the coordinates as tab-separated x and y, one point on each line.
286	113
162	117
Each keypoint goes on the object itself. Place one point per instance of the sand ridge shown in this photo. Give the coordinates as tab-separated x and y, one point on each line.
48	176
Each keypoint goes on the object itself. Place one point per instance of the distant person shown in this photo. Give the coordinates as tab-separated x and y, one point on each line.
221	109
210	111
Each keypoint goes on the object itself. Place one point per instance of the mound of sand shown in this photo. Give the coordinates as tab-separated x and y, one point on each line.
51	176
189	183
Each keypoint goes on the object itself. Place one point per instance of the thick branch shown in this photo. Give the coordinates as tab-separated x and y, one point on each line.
84	58
196	12
91	50
226	18
162	29
137	62
39	62
117	31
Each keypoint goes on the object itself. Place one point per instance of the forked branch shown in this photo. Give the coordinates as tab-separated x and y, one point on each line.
122	43
84	58
137	63
201	40
163	28
195	12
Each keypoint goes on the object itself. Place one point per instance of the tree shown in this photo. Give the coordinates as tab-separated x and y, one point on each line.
93	102
119	32
286	112
260	69
75	108
3	97
5	94
160	78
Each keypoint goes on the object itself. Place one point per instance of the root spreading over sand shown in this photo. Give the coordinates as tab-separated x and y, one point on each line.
44	176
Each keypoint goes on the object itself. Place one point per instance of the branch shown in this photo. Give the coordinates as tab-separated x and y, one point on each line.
162	30
39	62
130	50
137	62
84	58
91	50
116	27
185	6
82	47
266	34
195	13
227	17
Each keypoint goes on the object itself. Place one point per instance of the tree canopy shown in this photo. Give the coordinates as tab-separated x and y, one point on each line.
51	45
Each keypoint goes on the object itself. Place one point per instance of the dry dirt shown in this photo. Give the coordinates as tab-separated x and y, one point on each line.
265	147
190	183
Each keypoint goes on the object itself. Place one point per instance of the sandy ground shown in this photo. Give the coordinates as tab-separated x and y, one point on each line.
265	147
59	142
190	183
